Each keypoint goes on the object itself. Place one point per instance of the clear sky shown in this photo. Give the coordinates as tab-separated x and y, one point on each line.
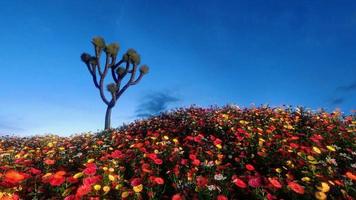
200	52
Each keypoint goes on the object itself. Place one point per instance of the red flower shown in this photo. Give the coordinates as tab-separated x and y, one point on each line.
83	190
135	182
239	183
49	161
152	156
70	197
90	170
159	180
275	182
117	154
196	162
57	179
217	141
91	180
146	168
35	171
158	161
254	182
202	181
222	197
192	157
177	197
296	187
250	167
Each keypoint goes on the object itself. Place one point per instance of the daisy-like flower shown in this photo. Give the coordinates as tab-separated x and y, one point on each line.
320	195
323	187
296	187
275	182
219	177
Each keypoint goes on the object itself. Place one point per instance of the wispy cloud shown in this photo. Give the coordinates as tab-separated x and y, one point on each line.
8	127
341	93
347	88
155	103
337	101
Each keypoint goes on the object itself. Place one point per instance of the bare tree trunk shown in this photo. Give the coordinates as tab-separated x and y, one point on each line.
108	118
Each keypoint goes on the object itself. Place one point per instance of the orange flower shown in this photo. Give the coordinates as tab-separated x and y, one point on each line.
296	187
14	177
351	176
57	179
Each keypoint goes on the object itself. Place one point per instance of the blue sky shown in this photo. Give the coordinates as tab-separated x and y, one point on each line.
199	52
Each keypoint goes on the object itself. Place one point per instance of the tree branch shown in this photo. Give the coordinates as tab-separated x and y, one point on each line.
101	84
113	68
93	74
138	79
97	56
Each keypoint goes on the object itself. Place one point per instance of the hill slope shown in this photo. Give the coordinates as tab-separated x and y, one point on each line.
195	153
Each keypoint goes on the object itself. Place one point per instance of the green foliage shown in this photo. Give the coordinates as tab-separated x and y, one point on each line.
112	88
85	57
120	71
112	49
132	56
98	42
144	69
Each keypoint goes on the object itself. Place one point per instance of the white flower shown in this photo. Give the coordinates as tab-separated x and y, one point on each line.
211	187
219	177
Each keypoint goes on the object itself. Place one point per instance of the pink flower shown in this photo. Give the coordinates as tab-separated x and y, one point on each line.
254	182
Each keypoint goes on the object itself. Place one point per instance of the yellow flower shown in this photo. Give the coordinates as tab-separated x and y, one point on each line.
50	144
90	160
78	175
61	148
111	177
124	195
166	137
138	188
106	189
97	187
310	158
105	168
320	195
306	179
324	187
219	146
278	170
317	150
175	140
331	148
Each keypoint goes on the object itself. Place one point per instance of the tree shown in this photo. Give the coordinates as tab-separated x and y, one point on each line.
130	60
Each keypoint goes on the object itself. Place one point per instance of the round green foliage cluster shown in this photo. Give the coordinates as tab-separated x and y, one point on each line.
98	42
112	49
144	69
112	88
132	56
85	57
120	71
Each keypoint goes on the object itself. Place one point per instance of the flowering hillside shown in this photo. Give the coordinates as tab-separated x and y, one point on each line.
194	153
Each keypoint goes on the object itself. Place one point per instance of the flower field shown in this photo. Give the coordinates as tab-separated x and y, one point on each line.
194	153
